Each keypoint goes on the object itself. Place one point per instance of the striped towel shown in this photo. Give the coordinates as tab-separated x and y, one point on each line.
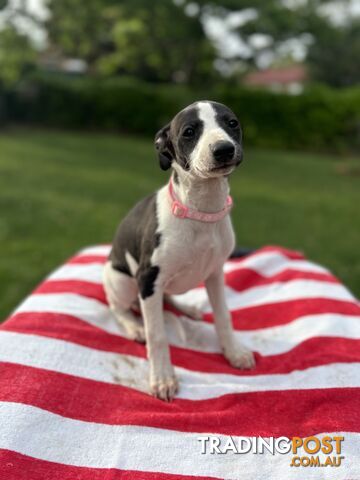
73	388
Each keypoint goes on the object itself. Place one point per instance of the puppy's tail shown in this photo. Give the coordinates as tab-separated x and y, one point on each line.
239	252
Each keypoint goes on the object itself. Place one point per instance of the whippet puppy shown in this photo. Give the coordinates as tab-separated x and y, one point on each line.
178	237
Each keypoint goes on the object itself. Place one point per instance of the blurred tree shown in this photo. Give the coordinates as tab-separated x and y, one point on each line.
155	40
159	41
166	40
334	57
16	55
80	29
332	47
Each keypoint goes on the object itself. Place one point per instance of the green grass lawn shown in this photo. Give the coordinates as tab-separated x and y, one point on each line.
60	192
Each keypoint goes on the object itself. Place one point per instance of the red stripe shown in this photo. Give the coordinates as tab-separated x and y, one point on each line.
281	313
246	278
239	280
79	287
313	352
80	259
248	318
15	466
290	254
290	413
72	329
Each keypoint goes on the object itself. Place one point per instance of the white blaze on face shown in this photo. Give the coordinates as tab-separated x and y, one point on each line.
201	158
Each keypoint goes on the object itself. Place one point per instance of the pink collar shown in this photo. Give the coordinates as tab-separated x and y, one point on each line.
182	211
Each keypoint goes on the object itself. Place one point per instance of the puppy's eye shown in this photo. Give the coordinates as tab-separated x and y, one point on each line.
233	123
188	132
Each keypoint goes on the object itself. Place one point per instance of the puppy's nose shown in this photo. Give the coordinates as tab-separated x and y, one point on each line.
223	151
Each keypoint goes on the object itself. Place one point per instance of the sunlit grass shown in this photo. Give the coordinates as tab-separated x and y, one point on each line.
60	192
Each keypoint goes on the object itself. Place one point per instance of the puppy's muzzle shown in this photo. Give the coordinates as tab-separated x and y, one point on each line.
223	152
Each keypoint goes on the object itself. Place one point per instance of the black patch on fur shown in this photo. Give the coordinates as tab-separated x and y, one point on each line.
157	239
146	279
164	147
137	234
176	177
184	146
122	269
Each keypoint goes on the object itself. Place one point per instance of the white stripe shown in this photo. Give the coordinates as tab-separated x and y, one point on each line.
268	264
265	264
131	371
96	250
89	272
87	309
273	293
201	336
47	436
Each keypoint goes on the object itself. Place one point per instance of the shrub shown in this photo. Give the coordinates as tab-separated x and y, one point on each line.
319	119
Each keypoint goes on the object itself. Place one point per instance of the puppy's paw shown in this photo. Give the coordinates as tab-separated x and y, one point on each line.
240	357
164	387
136	332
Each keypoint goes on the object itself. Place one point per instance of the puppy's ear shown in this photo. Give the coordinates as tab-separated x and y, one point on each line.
164	147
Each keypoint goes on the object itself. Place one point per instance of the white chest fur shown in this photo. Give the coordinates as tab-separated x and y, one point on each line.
190	251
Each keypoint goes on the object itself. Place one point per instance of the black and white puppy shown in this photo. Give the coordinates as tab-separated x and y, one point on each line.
178	237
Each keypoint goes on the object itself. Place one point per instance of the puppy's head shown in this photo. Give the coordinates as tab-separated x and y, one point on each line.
204	139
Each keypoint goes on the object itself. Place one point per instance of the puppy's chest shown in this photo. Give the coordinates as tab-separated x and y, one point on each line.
191	254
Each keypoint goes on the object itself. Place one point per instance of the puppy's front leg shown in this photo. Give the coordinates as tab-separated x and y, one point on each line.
238	355
163	382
